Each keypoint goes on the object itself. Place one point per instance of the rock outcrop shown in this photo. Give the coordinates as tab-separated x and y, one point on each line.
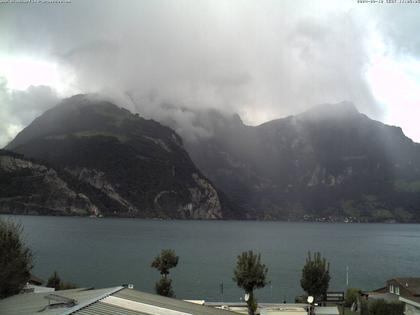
31	188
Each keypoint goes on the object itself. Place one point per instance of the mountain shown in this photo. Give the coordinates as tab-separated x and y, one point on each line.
120	164
28	187
330	163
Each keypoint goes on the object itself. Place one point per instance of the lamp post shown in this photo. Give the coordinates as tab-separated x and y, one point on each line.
310	307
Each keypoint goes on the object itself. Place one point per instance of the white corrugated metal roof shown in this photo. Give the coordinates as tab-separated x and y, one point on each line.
140	307
284	310
33	303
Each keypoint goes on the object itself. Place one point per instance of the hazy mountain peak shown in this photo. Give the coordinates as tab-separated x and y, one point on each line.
77	113
342	110
322	162
80	101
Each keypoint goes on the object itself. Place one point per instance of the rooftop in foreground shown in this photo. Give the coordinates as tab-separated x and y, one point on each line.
124	301
109	301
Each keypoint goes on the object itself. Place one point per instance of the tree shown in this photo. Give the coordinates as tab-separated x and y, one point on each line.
164	287
250	274
315	276
15	259
55	282
166	260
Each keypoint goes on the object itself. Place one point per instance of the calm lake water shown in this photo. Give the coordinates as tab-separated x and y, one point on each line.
110	252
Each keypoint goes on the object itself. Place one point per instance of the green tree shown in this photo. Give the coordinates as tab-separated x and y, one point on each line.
315	276
250	274
15	259
55	282
166	260
164	287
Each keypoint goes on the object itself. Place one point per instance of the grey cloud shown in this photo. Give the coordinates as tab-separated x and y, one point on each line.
90	48
332	54
399	26
19	108
262	59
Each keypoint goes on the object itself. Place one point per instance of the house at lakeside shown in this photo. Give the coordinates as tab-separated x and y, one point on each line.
405	290
35	285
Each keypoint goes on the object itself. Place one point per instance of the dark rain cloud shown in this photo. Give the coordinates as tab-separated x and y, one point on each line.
261	59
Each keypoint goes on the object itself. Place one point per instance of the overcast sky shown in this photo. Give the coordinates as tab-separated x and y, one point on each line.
261	59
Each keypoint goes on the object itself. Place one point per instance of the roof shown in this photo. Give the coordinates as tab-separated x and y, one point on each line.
326	310
283	310
411	284
36	288
140	303
388	297
32	303
415	301
379	290
109	301
277	308
35	280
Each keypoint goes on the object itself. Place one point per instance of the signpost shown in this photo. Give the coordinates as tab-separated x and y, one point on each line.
335	297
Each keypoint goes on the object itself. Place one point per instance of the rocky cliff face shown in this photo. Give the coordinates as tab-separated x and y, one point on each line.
126	165
31	188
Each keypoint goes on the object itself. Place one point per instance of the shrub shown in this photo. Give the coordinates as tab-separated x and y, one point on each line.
381	307
164	287
15	259
351	296
301	299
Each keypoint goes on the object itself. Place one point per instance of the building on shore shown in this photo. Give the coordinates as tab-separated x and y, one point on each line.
34	285
404	290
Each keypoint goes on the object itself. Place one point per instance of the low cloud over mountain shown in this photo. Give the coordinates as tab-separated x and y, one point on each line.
260	59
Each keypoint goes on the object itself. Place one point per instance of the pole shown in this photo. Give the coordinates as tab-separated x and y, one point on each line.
347	276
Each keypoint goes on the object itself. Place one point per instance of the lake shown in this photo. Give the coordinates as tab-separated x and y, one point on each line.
109	252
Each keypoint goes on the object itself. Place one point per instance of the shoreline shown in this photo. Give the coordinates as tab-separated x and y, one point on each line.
210	220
